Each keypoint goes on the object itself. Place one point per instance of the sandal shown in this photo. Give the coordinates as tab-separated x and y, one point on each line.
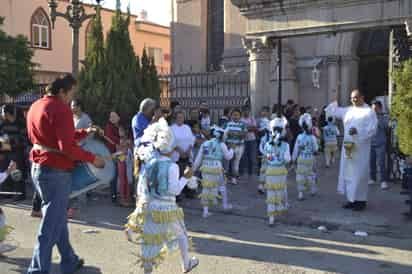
192	264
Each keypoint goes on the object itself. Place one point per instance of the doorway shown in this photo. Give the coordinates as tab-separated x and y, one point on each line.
373	52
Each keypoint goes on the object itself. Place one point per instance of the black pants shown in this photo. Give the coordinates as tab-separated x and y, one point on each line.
408	179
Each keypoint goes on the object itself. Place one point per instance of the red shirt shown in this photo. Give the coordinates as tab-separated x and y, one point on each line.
50	124
112	132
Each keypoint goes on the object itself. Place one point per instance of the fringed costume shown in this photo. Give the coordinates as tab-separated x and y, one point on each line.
210	161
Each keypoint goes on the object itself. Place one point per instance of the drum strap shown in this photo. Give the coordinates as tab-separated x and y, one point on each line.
47	149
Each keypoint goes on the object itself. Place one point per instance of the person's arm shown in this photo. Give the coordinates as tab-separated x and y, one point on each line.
198	160
176	184
369	130
333	109
66	143
287	156
227	153
296	150
315	144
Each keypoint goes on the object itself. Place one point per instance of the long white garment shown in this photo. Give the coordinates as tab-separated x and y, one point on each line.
354	173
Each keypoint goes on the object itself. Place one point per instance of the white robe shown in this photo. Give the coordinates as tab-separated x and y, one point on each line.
354	173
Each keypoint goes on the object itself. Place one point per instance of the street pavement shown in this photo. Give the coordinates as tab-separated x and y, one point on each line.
240	242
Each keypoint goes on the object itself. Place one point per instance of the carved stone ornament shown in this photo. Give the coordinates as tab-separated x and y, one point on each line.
262	44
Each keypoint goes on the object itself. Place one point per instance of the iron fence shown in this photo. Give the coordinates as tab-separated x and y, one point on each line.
25	98
217	89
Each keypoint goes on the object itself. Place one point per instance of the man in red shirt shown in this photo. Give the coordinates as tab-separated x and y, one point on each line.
55	150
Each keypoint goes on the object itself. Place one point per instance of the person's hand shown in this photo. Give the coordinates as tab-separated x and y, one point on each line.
5	147
188	173
95	129
99	162
12	167
353	131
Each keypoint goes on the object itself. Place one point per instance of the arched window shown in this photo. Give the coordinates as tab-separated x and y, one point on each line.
40	30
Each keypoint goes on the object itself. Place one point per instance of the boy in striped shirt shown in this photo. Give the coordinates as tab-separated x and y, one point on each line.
236	132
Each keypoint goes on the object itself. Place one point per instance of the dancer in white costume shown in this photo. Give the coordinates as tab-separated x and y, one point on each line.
163	228
210	161
304	154
276	153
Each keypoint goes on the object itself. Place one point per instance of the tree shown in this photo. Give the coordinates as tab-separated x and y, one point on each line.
16	67
402	106
145	72
155	83
91	78
121	84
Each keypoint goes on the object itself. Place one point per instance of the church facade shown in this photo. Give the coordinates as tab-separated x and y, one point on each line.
328	47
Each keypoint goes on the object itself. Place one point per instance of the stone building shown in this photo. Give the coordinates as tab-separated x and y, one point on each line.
328	47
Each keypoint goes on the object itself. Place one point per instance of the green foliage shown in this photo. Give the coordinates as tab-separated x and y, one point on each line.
150	80
113	77
91	78
402	106
121	84
16	67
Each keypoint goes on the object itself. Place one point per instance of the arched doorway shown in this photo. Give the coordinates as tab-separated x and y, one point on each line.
373	52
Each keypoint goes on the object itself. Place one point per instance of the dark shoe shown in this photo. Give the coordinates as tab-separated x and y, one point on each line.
359	206
36	214
405	193
407	215
408	202
348	205
79	266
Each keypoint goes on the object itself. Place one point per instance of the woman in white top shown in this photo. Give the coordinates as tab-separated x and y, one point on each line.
185	141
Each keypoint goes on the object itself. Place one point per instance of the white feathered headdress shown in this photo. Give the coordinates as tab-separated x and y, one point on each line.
307	119
160	135
218	132
278	123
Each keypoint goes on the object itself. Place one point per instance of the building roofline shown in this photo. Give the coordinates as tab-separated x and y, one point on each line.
138	21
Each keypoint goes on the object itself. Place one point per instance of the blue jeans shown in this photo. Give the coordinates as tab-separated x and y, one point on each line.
248	162
54	189
378	154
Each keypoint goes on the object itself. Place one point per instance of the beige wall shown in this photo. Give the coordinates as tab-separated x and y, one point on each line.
57	60
190	34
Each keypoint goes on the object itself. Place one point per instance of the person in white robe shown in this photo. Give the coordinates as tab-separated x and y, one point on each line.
360	123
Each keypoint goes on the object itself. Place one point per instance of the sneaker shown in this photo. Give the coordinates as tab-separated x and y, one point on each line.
228	207
384	185
36	214
233	181
300	196
348	205
79	266
192	264
371	182
261	190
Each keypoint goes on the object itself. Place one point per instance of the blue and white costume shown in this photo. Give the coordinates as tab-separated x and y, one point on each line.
304	154
163	229
210	162
277	155
330	133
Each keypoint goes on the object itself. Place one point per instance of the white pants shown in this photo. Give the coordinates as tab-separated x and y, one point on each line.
235	162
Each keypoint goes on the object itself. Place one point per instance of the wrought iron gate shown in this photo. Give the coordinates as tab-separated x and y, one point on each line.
217	89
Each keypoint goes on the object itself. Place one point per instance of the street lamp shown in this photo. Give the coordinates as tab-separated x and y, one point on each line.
75	15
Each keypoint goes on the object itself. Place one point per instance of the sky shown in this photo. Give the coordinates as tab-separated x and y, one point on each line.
158	10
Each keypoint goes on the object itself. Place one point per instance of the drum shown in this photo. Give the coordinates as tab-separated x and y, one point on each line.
85	176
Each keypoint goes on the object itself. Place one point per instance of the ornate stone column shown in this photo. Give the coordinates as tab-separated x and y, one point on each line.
349	78
260	52
332	63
